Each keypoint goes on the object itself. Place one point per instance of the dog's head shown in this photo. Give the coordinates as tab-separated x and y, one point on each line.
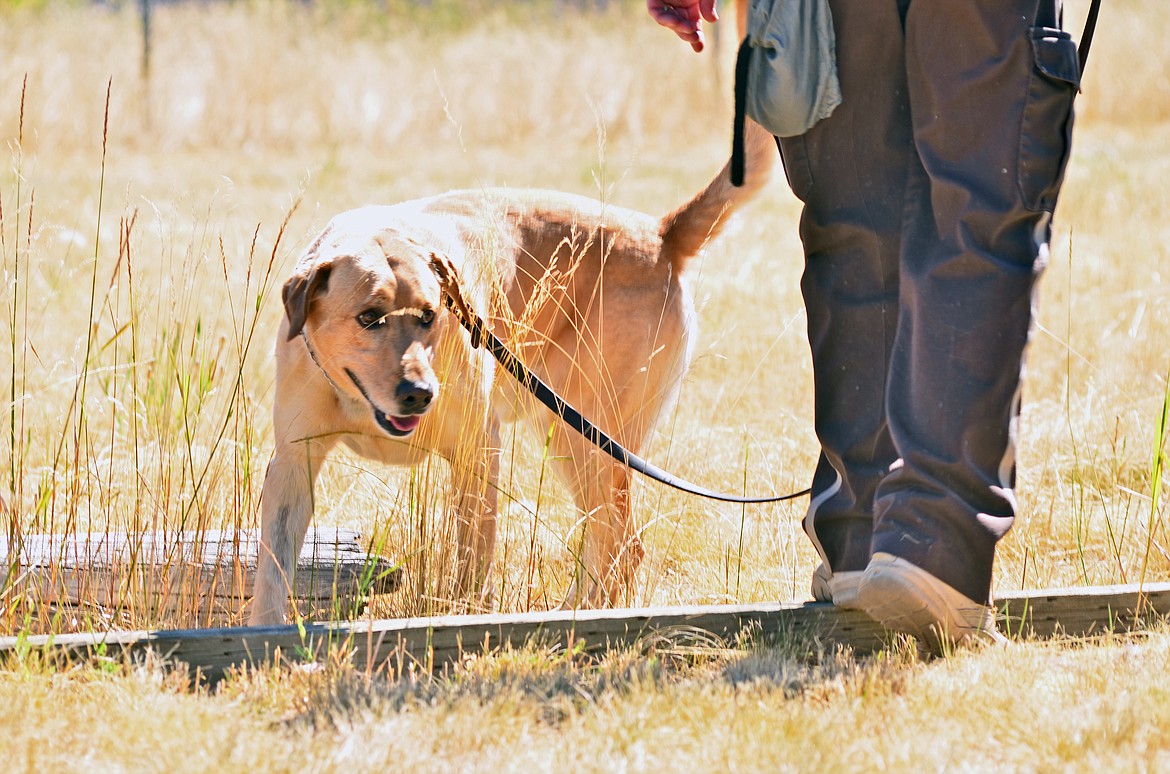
369	311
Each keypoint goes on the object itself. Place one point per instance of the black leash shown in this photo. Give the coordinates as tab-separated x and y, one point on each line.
482	335
1087	35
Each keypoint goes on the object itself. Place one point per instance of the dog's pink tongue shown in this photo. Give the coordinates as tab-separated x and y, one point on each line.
404	424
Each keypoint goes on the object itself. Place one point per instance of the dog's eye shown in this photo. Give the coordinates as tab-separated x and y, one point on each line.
371	318
426	317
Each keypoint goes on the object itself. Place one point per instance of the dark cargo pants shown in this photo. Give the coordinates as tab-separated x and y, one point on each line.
928	196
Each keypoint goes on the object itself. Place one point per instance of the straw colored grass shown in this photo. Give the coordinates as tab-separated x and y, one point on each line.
1032	707
143	244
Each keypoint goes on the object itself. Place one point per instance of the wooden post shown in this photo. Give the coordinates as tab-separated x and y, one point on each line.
144	9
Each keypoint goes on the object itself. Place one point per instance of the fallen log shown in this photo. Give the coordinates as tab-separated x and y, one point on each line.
209	573
436	641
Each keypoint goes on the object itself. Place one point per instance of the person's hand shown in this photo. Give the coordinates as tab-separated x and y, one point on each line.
684	17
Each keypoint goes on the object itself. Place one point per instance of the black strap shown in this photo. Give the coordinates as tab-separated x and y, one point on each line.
1046	14
542	392
742	60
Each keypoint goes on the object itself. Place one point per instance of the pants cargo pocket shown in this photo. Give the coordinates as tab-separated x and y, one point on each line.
1046	129
797	168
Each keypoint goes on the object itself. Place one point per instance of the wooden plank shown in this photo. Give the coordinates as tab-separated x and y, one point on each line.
212	569
438	640
1080	612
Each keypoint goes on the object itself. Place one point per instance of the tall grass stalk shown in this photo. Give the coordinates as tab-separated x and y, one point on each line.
102	480
16	424
1157	472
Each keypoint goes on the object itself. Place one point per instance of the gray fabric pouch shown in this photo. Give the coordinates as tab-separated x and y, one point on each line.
792	77
786	70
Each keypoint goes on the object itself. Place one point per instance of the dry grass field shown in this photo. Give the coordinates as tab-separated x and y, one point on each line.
147	221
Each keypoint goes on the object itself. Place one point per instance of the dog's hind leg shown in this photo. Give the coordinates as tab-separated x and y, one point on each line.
609	552
286	506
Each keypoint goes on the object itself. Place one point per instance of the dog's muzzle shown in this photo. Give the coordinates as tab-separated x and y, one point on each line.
413	400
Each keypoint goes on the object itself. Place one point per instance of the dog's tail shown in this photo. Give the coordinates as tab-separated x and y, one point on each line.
687	229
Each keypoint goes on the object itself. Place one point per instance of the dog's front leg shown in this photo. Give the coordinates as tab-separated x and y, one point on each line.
286	506
475	473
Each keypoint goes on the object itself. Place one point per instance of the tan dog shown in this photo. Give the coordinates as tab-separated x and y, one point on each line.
589	296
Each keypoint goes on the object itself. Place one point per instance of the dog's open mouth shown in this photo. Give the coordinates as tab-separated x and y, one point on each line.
397	426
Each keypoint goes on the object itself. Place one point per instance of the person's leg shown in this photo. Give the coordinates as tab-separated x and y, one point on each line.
849	171
991	103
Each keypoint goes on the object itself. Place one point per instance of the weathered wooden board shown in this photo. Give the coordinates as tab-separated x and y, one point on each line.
212	570
438	640
1082	611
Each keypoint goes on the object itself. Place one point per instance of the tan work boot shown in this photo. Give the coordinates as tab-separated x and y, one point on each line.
905	598
839	588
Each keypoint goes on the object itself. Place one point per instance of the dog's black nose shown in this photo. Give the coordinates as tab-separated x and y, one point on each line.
413	397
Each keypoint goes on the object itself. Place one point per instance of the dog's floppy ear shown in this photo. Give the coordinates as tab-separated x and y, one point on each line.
452	289
310	280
